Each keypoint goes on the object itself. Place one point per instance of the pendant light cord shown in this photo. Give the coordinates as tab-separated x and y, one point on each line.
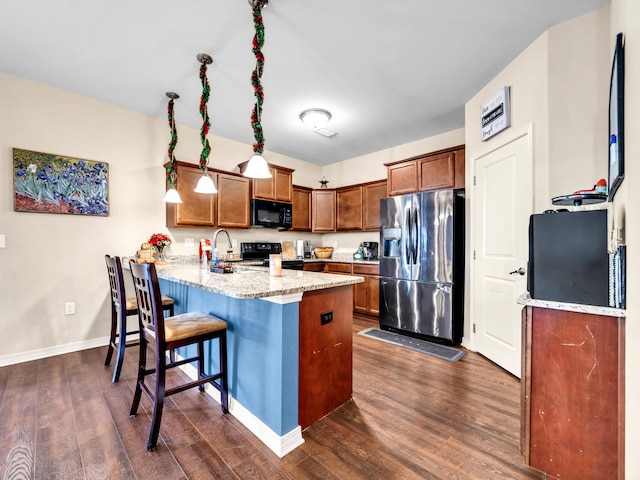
206	124
171	169
258	42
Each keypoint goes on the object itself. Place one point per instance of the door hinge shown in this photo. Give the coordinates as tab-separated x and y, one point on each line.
474	254
474	328
474	180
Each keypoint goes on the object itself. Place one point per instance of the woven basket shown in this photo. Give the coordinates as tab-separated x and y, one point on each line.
323	252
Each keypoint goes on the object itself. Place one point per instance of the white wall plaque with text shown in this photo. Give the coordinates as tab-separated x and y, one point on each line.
495	115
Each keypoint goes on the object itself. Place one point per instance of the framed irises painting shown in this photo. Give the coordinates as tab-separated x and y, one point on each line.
48	183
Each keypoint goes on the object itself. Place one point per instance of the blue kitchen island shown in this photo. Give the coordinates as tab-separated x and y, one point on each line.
289	343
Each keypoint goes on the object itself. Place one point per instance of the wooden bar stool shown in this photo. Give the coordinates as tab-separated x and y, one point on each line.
120	303
167	334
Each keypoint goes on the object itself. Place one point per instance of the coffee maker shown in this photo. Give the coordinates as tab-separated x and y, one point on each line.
370	250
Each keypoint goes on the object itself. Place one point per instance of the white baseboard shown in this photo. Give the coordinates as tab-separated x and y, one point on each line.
280	445
52	351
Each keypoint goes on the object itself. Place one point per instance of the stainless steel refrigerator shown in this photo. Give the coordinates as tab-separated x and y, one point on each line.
422	265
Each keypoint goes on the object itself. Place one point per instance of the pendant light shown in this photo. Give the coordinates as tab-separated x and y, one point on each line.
257	166
205	184
172	195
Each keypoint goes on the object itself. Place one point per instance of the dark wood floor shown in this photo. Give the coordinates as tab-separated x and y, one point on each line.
411	417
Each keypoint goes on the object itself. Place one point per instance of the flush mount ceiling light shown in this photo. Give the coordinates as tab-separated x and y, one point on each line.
257	166
315	118
172	195
205	184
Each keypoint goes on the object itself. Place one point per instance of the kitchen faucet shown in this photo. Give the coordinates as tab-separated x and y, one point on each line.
215	238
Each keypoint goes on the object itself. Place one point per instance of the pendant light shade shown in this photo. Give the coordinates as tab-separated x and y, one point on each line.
257	168
172	196
205	185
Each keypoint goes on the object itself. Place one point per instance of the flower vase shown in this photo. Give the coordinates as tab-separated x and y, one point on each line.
160	257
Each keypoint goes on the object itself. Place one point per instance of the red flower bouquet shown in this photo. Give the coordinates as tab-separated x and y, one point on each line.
159	241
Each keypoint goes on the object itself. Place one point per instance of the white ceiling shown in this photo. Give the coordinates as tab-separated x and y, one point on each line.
389	71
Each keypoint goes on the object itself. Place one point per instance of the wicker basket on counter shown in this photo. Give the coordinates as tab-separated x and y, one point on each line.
323	252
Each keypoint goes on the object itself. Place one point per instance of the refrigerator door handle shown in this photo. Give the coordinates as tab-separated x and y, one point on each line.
416	234
408	254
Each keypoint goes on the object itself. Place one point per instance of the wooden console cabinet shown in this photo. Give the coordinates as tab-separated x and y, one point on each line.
573	394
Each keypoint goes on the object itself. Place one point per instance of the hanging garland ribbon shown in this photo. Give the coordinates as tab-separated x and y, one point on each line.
206	124
258	42
171	169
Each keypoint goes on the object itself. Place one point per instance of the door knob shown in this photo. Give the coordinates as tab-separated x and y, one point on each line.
519	271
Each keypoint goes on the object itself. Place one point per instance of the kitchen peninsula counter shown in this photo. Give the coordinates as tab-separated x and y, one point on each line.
289	342
252	282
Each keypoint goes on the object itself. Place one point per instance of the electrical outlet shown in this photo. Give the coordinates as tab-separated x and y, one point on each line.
326	317
2	241
70	308
189	242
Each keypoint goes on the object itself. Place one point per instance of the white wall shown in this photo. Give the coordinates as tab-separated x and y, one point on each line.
624	15
51	259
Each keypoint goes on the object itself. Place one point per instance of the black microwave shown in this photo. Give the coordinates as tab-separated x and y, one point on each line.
265	213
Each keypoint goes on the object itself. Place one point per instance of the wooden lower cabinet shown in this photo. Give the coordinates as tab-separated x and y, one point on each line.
573	394
325	358
314	266
366	296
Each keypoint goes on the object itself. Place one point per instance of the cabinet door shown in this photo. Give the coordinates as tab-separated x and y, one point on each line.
264	187
277	188
233	201
282	185
349	208
323	207
437	171
360	302
373	295
402	178
196	209
371	195
301	209
460	168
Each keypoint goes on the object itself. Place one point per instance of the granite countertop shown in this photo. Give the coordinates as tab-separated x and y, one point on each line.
343	257
525	299
249	281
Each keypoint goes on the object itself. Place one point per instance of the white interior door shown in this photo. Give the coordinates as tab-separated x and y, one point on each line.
502	206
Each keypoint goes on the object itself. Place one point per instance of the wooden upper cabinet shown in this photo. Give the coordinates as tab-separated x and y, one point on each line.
402	178
196	209
233	201
301	208
323	210
460	168
349	208
437	170
278	188
372	193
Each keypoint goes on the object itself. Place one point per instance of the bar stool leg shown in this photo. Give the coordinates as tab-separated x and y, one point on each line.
158	402
224	390
112	336
142	365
